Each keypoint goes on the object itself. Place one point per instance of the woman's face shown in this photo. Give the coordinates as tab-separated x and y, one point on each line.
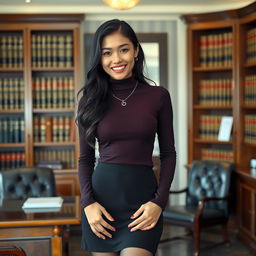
117	56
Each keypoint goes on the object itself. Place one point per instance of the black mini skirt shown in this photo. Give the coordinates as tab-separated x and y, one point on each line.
121	189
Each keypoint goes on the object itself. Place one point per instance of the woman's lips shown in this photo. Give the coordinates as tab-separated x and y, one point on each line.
118	69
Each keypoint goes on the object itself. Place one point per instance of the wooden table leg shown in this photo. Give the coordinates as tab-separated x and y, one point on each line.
56	241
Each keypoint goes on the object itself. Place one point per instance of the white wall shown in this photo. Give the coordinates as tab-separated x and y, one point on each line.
177	85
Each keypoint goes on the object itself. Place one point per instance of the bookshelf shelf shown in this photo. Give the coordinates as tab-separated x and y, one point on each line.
248	107
214	69
200	107
12	145
53	110
250	65
11	111
12	69
52	69
213	142
249	145
53	144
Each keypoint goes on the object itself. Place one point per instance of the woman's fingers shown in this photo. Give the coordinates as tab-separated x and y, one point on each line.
141	225
138	212
106	225
149	226
147	214
97	233
102	230
95	219
107	215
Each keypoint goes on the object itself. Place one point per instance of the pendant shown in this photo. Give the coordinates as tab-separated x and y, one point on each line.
123	103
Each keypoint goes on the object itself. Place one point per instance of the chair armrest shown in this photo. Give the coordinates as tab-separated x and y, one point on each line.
178	191
203	200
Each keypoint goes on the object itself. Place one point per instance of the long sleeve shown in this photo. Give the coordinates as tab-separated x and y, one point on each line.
167	150
85	168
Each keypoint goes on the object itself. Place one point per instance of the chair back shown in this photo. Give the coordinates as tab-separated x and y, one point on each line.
11	251
26	182
209	179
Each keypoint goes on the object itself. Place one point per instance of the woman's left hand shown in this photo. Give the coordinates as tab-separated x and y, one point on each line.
147	216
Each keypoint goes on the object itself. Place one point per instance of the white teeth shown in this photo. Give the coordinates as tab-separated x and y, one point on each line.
118	68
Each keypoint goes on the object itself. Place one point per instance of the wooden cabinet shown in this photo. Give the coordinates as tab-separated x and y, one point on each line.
39	79
247	209
222	82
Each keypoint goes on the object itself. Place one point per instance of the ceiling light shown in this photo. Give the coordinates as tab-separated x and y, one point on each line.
121	4
28	1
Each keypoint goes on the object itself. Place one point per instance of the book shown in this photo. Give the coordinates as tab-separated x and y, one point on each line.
225	128
43	202
57	165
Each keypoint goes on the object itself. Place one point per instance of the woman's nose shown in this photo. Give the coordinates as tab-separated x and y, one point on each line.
116	57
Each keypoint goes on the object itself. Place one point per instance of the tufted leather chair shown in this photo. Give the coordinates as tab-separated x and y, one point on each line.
207	197
26	182
11	251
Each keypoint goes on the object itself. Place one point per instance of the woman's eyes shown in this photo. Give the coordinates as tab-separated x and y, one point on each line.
106	53
109	53
124	50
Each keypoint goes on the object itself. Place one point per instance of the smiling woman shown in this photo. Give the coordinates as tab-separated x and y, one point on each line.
121	200
118	56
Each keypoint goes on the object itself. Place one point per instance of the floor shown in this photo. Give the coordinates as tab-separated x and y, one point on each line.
179	247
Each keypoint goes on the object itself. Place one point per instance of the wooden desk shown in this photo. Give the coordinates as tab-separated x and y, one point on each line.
39	234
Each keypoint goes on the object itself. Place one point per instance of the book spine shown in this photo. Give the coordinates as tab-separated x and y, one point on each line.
68	50
34	50
48	92
61	51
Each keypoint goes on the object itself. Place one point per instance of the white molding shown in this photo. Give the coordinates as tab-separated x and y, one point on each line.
127	17
181	119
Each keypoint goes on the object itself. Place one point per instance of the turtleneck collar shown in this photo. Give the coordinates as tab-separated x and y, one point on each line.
123	84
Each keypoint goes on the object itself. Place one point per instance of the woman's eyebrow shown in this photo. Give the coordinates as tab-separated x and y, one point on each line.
109	48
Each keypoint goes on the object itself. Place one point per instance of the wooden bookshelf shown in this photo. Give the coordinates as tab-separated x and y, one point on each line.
240	24
46	48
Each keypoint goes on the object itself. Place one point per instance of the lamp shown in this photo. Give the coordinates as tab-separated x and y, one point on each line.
121	4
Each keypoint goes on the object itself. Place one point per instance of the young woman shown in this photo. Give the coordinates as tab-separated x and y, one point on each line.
121	199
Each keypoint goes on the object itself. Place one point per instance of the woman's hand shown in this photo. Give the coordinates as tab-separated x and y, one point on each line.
98	225
149	214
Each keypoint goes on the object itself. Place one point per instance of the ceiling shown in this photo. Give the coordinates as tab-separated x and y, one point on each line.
143	2
97	6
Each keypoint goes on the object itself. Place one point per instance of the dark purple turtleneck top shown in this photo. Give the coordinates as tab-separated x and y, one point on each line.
126	135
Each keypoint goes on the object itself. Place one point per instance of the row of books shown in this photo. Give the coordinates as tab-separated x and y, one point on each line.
12	129
216	50
11	51
53	128
10	160
209	126
52	50
250	90
215	92
251	46
217	154
250	129
53	92
65	156
11	93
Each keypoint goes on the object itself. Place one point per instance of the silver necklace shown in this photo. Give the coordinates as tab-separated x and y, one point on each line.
123	101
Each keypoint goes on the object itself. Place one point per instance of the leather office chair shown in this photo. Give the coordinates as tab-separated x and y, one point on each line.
206	200
24	182
11	251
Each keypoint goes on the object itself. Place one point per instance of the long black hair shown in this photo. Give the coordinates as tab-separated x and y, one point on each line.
96	92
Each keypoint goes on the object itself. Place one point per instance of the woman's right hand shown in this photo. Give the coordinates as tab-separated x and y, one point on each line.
98	225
